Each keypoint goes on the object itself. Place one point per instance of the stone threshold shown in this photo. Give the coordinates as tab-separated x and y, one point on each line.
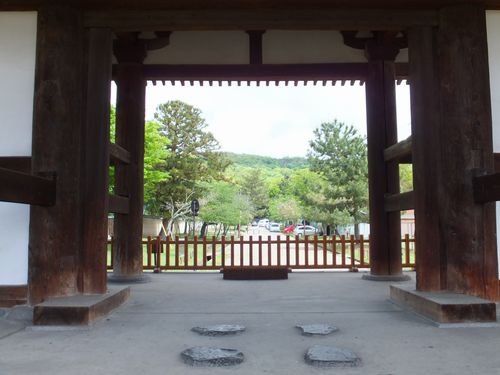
444	308
80	309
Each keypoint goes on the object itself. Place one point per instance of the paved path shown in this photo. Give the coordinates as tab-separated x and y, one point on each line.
147	335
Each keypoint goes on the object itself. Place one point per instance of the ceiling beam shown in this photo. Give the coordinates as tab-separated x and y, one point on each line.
260	19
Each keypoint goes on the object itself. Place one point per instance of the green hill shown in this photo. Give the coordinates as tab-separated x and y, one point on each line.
247	160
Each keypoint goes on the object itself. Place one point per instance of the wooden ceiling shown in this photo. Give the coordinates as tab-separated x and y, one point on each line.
246	4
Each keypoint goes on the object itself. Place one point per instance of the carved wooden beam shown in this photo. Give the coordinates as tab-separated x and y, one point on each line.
18	187
16	163
400	152
486	188
118	204
400	202
118	154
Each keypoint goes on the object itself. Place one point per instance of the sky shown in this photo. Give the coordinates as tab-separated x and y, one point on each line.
275	121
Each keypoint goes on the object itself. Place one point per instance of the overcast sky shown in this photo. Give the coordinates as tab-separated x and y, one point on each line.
274	121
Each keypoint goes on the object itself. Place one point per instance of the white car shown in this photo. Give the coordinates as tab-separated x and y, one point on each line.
263	222
274	227
308	230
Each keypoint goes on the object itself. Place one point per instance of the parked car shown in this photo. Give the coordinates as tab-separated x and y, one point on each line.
308	230
274	227
255	223
289	229
263	222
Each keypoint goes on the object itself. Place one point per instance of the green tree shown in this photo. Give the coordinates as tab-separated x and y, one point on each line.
285	208
254	186
224	204
156	155
194	156
339	154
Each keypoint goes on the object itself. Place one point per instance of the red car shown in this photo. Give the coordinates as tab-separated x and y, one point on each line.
289	229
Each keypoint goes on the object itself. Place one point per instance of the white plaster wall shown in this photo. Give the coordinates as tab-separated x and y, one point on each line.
17	67
493	28
278	47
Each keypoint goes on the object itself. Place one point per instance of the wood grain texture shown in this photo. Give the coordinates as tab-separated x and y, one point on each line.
55	232
18	187
467	228
426	143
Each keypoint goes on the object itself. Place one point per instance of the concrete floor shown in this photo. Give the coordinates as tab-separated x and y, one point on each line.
146	335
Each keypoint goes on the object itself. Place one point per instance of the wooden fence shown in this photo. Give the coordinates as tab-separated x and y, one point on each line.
309	252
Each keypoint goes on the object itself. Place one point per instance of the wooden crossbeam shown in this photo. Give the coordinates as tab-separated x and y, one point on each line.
118	155
19	187
260	19
486	188
399	202
16	163
263	72
118	204
400	152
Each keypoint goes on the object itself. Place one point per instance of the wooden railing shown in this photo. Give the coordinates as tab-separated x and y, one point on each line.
309	252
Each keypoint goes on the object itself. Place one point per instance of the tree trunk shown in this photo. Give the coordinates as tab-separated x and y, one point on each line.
356	231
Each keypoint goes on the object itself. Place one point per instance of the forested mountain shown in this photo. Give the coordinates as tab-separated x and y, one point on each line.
256	161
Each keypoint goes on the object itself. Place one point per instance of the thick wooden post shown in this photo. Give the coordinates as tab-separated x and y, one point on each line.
130	113
467	229
426	145
385	227
95	169
55	232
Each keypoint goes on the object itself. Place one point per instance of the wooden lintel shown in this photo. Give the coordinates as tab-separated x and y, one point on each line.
118	155
118	204
19	187
487	188
400	202
400	152
261	72
16	163
260	19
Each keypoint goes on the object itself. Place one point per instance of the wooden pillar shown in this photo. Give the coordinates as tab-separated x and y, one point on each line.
95	171
426	146
130	113
385	227
468	240
55	232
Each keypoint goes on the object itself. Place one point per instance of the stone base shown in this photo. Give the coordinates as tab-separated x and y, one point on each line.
255	273
392	278
444	307
12	295
80	309
137	279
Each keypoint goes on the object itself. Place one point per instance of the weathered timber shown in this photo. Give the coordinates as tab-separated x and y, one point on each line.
487	188
400	152
385	236
55	232
400	202
255	46
118	204
426	140
260	19
467	228
130	52
16	163
263	72
18	187
11	295
95	169
118	155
